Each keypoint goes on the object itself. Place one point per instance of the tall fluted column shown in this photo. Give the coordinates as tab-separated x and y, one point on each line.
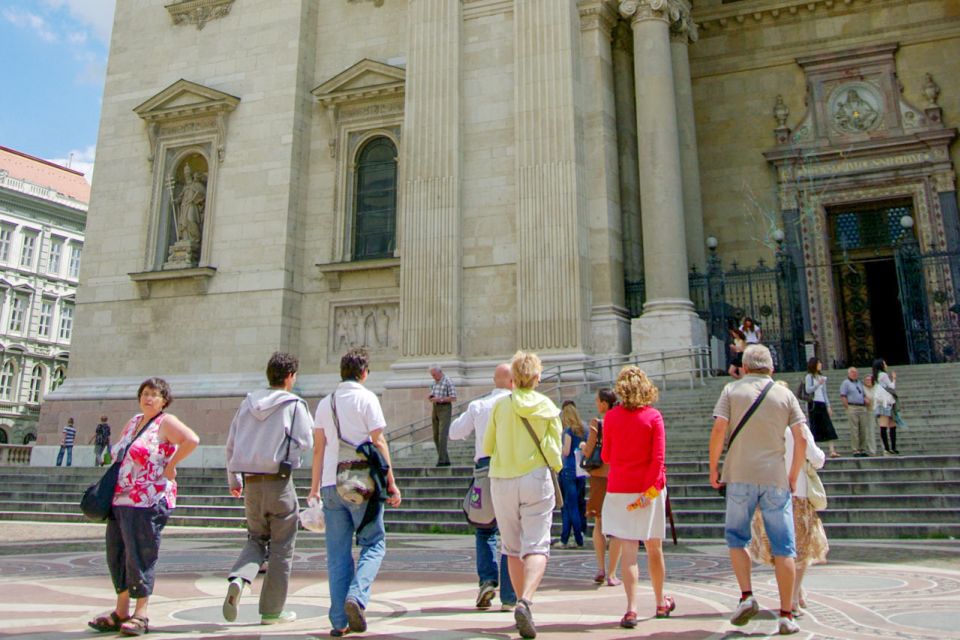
552	289
430	198
609	319
668	319
682	33
626	101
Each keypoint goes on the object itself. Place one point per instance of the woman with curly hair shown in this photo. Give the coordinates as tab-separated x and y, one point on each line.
634	445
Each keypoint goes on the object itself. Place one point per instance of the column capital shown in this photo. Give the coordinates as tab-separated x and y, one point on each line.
684	30
668	11
598	14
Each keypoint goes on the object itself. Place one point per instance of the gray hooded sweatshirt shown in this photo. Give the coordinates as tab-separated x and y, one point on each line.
257	442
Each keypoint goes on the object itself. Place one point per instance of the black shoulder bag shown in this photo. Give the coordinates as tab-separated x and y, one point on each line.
97	500
743	421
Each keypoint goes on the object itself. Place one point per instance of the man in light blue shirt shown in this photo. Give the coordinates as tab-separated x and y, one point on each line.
475	420
854	400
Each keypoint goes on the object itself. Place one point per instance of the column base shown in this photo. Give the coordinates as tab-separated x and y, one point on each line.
669	326
610	328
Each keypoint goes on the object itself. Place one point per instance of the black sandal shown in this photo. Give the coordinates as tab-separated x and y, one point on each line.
135	626
107	622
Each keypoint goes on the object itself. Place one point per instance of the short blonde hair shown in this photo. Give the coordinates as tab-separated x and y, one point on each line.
635	389
525	368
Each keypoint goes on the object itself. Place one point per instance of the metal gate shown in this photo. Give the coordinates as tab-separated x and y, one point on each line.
929	302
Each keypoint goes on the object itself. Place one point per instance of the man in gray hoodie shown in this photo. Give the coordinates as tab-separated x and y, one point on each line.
266	437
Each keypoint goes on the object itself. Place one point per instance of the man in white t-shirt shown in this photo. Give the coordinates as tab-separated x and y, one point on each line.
360	420
475	420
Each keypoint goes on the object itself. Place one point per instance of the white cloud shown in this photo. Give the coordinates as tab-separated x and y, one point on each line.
96	14
81	160
25	19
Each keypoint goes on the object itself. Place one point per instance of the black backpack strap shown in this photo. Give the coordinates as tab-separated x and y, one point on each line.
750	411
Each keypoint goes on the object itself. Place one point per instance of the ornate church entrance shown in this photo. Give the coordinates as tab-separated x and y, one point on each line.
863	239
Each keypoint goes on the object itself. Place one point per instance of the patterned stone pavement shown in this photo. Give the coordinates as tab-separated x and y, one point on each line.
53	579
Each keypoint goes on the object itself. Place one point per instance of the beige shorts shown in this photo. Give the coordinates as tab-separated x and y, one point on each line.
524	509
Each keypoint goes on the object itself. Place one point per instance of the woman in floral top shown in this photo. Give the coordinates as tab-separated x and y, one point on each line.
146	494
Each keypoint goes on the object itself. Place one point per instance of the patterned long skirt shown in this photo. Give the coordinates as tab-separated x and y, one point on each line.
812	545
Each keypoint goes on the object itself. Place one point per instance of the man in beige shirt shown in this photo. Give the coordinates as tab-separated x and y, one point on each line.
754	475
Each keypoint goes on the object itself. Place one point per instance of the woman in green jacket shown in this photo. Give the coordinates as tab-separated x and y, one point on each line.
520	482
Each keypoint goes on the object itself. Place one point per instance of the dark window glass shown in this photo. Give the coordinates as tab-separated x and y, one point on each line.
375	207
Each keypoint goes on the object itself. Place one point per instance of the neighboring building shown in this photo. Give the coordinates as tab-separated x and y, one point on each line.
43	211
446	181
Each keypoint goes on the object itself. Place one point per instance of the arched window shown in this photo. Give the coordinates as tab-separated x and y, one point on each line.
58	376
3	437
7	375
375	206
36	385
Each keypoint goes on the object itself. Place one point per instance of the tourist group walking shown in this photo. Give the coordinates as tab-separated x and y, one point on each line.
529	458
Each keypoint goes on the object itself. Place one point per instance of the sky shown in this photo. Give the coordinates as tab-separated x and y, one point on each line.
55	55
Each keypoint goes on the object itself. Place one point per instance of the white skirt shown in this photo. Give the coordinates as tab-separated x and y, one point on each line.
649	523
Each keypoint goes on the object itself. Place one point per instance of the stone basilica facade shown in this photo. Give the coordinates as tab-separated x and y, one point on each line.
446	181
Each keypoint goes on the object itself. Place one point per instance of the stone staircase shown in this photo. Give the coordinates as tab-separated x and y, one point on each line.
916	495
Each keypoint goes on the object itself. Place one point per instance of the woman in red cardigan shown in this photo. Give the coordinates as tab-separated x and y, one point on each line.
634	508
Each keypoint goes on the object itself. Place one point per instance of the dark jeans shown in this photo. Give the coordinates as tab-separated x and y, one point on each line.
69	451
569	487
133	546
486	543
440	418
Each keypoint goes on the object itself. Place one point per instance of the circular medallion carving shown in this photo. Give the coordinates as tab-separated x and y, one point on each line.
855	107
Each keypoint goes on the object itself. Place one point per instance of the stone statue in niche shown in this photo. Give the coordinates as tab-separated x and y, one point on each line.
368	326
855	115
188	200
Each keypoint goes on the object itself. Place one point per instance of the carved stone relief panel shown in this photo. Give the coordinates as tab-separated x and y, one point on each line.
198	12
373	325
855	107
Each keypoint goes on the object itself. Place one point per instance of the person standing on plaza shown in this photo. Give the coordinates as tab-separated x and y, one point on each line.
347	420
67	438
270	430
151	446
475	420
854	398
101	442
523	442
634	510
606	399
821	423
573	433
884	405
750	418
442	395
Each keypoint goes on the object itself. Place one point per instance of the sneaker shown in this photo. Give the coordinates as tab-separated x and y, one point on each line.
747	608
894	452
232	600
508	606
787	626
887	452
558	544
573	545
355	617
524	619
278	618
339	633
485	597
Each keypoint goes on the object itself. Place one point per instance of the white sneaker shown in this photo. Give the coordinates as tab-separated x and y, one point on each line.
787	626
745	612
232	600
280	618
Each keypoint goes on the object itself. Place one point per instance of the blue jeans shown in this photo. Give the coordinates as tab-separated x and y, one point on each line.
69	451
487	564
776	508
347	580
571	507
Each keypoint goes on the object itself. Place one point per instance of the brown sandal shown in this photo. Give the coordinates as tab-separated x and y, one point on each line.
107	622
135	626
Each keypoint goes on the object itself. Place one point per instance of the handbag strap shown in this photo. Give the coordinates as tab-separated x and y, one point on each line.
750	411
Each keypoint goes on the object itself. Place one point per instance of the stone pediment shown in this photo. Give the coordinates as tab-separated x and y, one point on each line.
365	79
184	99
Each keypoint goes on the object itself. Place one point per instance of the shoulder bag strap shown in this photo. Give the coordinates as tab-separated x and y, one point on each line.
536	440
746	416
